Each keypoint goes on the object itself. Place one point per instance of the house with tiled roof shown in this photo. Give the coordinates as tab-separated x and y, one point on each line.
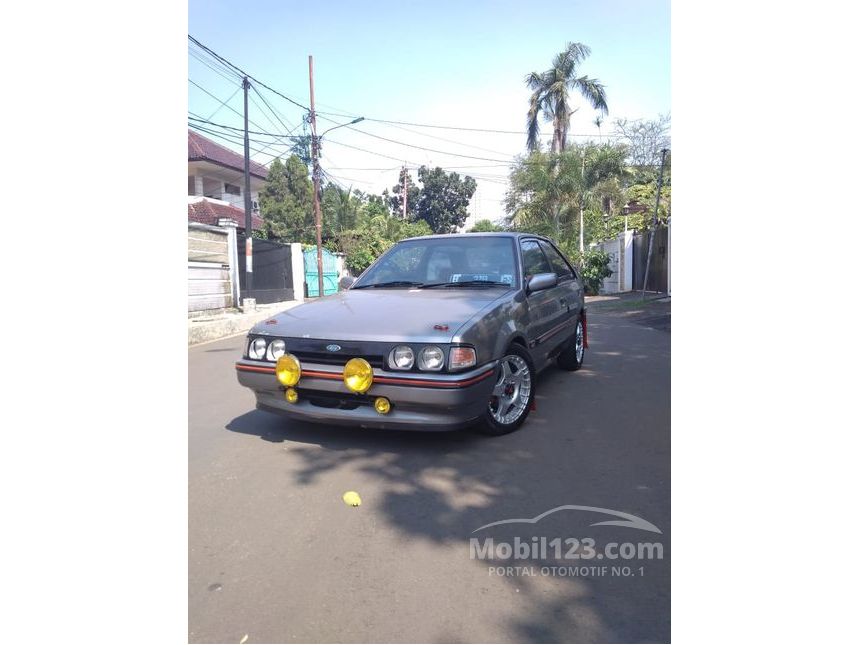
216	184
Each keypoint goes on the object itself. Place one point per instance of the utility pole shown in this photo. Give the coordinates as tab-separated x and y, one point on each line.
654	223
316	174
405	191
581	216
249	233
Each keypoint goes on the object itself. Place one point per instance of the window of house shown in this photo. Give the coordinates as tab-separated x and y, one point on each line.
232	189
211	188
561	268
192	185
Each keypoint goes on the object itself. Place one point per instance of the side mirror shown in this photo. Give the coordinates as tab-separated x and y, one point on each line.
346	282
541	281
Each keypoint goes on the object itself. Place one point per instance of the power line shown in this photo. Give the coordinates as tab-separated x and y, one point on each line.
222	70
453	127
409	145
235	139
244	73
268	118
278	115
371	152
196	117
224	103
458	143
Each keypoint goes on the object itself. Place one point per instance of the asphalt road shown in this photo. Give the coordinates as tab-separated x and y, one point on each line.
275	553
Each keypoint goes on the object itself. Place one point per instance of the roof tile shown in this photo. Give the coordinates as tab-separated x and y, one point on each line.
206	212
202	149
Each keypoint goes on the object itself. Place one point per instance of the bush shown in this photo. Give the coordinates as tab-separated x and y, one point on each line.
593	268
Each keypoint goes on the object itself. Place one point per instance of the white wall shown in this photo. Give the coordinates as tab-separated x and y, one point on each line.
297	262
620	252
625	271
234	200
613	249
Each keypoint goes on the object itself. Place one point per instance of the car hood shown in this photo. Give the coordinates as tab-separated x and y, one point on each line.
391	315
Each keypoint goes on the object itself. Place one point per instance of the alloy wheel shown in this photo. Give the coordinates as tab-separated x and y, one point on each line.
580	344
511	393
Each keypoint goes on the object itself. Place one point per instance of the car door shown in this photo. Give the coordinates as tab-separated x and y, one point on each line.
548	314
569	286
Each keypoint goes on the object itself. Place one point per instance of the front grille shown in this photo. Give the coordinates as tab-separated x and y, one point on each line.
336	358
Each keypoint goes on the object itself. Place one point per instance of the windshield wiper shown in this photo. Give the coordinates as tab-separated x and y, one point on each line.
390	283
468	283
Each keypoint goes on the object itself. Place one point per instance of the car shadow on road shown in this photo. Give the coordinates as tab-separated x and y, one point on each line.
442	486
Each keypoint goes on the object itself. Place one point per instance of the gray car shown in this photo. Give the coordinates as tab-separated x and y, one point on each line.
441	332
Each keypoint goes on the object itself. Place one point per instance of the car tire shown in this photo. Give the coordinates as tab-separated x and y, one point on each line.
572	357
514	392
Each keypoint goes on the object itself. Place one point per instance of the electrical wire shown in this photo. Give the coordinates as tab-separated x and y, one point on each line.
289	128
245	74
223	71
234	111
224	103
409	145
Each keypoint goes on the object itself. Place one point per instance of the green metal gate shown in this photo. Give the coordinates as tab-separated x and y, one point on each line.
330	274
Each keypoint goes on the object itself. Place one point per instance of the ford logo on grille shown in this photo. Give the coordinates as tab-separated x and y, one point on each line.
333	348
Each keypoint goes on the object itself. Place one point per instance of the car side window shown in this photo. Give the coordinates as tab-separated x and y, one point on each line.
534	261
561	268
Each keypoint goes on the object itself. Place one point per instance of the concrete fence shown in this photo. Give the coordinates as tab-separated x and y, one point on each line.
620	251
628	255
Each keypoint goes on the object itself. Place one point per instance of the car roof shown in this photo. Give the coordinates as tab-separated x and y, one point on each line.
509	234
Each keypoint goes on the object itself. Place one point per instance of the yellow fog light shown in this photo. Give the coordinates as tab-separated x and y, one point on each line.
358	375
288	370
382	405
291	395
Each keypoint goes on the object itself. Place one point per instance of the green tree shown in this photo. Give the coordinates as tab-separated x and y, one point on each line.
395	200
550	95
543	188
444	199
373	236
643	191
644	140
374	205
567	194
302	148
485	226
286	202
339	208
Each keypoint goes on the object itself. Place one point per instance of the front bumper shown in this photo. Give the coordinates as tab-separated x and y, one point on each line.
418	401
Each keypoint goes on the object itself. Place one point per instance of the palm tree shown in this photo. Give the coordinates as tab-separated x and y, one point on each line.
550	95
549	192
598	121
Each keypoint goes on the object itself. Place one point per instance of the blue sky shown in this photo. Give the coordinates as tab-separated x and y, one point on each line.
447	63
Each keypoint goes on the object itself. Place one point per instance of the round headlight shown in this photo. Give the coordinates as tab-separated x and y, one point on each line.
358	375
401	358
382	405
288	370
257	349
432	359
277	348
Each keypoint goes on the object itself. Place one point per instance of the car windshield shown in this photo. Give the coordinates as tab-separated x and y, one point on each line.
468	261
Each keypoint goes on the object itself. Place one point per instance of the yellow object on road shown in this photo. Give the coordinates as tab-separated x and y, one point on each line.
351	498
